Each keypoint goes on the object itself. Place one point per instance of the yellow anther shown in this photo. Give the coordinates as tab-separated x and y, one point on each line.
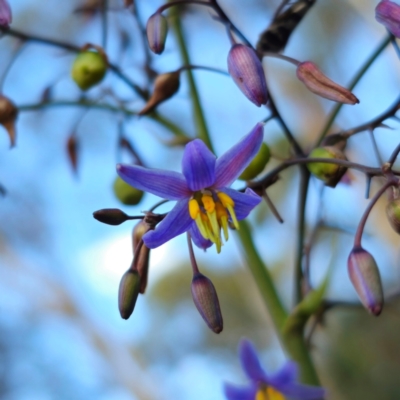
225	199
208	203
269	393
194	208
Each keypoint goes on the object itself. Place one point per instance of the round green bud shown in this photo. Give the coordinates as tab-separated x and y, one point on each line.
393	214
127	194
88	69
257	164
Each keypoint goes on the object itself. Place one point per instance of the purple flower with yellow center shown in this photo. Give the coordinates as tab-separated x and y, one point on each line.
279	386
205	203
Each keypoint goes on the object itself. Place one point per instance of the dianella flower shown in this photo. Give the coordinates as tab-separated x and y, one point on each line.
388	14
5	14
278	386
156	31
205	203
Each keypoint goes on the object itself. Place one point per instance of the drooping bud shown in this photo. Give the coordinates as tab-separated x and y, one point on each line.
128	293
89	68
125	193
142	255
156	30
206	300
364	274
5	14
110	216
393	214
321	85
72	151
8	115
257	164
388	14
329	173
246	70
165	86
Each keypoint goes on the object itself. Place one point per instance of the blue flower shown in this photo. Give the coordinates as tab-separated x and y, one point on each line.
279	386
205	203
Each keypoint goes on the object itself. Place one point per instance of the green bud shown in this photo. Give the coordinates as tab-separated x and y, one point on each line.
329	173
257	164
88	69
126	194
393	214
128	293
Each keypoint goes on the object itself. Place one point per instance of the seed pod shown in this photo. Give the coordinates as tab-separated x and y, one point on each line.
165	86
128	293
364	274
206	300
246	69
329	173
89	68
257	164
110	216
393	214
125	193
156	30
8	116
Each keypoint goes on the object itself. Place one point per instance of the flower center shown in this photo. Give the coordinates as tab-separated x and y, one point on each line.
269	393
211	211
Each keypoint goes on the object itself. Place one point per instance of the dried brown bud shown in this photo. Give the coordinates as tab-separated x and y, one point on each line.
128	293
110	216
8	115
72	150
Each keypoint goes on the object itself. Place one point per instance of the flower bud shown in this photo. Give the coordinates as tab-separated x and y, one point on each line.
321	85
156	30
5	14
364	274
110	216
142	256
257	164
388	14
165	86
393	214
127	194
128	293
89	68
329	173
206	300
8	115
246	70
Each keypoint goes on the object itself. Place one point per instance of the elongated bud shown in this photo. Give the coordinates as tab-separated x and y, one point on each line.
110	216
8	116
125	193
165	86
393	214
156	30
246	70
257	164
128	293
206	300
321	85
89	68
142	256
5	14
388	14
329	173
364	274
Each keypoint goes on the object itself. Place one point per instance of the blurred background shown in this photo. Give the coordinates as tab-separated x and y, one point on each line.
61	336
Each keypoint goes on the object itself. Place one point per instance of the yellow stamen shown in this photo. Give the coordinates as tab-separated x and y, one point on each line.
202	226
269	393
194	208
225	199
222	217
233	216
208	203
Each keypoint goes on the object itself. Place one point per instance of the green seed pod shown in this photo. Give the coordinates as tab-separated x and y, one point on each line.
329	173
88	69
393	214
128	293
257	164
127	194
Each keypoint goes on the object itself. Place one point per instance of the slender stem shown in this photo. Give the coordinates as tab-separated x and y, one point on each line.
217	70
104	8
195	268
185	2
282	57
357	77
393	156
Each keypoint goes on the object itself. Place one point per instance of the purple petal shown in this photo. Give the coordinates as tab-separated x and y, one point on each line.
302	392
250	362
244	202
388	14
232	163
198	238
169	185
287	374
5	13
239	393
198	165
176	222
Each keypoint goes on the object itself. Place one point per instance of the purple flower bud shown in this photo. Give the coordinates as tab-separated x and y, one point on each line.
156	30
143	254
393	214
5	14
128	293
110	216
388	14
206	300
321	85
246	70
364	274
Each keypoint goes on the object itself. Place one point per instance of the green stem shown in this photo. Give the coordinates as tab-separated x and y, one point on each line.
353	83
201	125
